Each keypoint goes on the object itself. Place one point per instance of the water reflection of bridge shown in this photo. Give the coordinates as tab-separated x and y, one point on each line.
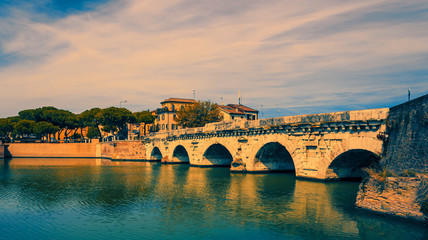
320	146
168	196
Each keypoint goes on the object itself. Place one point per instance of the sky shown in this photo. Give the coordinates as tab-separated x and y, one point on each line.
284	57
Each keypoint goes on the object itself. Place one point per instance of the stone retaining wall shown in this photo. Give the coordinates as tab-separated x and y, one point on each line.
395	196
407	145
126	150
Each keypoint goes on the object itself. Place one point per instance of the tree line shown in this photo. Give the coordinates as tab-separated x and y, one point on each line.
47	121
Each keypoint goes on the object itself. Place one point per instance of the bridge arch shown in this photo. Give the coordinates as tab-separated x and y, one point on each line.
350	156
273	156
180	154
156	154
350	164
218	155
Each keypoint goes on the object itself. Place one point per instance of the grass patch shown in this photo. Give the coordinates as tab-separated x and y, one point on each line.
379	176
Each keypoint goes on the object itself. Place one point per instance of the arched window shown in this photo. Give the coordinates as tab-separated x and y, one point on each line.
163	126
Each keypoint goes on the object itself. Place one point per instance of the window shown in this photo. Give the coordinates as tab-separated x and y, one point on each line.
172	126
182	107
173	107
163	126
233	117
163	116
173	116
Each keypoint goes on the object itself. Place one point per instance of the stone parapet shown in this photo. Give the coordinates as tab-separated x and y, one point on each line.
324	122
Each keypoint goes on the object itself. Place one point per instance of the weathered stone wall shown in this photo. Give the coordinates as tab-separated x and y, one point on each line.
122	150
69	150
407	146
396	196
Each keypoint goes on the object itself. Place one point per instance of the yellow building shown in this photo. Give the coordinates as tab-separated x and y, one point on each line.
238	111
165	119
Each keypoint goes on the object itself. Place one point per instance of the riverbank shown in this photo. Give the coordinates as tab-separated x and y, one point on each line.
395	196
119	151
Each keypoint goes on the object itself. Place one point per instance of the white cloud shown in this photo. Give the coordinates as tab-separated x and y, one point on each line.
278	53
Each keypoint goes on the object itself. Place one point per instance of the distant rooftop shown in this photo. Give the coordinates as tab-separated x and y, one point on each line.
179	100
243	108
237	109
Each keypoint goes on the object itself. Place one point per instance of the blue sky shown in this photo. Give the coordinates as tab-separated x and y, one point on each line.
285	57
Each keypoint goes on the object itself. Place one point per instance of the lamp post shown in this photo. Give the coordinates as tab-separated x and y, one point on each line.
120	104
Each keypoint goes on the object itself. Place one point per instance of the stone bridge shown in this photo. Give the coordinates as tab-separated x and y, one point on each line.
319	146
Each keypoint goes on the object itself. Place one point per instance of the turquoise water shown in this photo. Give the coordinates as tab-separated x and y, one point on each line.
100	199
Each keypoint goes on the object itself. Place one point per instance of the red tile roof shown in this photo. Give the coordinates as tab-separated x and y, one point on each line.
243	108
231	110
237	109
179	100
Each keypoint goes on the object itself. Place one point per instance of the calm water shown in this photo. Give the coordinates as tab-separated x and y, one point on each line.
99	199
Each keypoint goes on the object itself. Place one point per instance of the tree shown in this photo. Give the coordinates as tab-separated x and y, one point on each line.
44	129
198	114
109	128
145	117
89	119
24	128
93	132
64	119
116	117
6	128
37	115
76	136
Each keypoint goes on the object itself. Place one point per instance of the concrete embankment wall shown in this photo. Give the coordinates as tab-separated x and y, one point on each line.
407	146
69	150
112	150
